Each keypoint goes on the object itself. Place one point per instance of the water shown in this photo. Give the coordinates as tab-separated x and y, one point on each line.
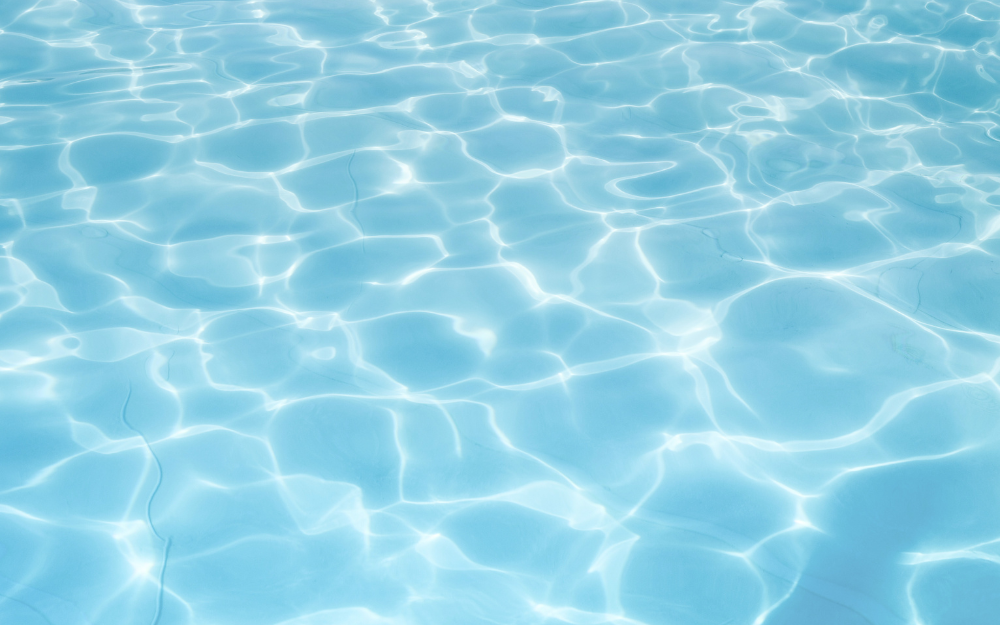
661	312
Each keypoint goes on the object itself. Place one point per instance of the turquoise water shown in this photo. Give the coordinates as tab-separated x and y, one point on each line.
459	312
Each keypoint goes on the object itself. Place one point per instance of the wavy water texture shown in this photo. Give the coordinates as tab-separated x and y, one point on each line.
638	312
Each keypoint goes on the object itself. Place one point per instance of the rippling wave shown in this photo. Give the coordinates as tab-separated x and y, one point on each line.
632	312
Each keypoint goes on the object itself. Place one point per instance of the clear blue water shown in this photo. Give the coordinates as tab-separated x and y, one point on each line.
460	312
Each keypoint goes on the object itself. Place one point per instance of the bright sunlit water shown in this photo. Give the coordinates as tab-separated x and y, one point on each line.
514	312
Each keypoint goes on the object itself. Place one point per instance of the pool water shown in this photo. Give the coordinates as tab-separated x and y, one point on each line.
515	312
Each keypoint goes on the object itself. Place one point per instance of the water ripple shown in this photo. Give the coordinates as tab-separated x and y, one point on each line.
630	312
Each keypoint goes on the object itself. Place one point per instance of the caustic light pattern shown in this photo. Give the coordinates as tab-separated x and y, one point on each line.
516	312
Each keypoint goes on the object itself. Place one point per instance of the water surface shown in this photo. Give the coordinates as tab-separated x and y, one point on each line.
638	312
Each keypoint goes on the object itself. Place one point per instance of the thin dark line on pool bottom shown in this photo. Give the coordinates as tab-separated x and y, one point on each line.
29	606
361	226
354	207
149	506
